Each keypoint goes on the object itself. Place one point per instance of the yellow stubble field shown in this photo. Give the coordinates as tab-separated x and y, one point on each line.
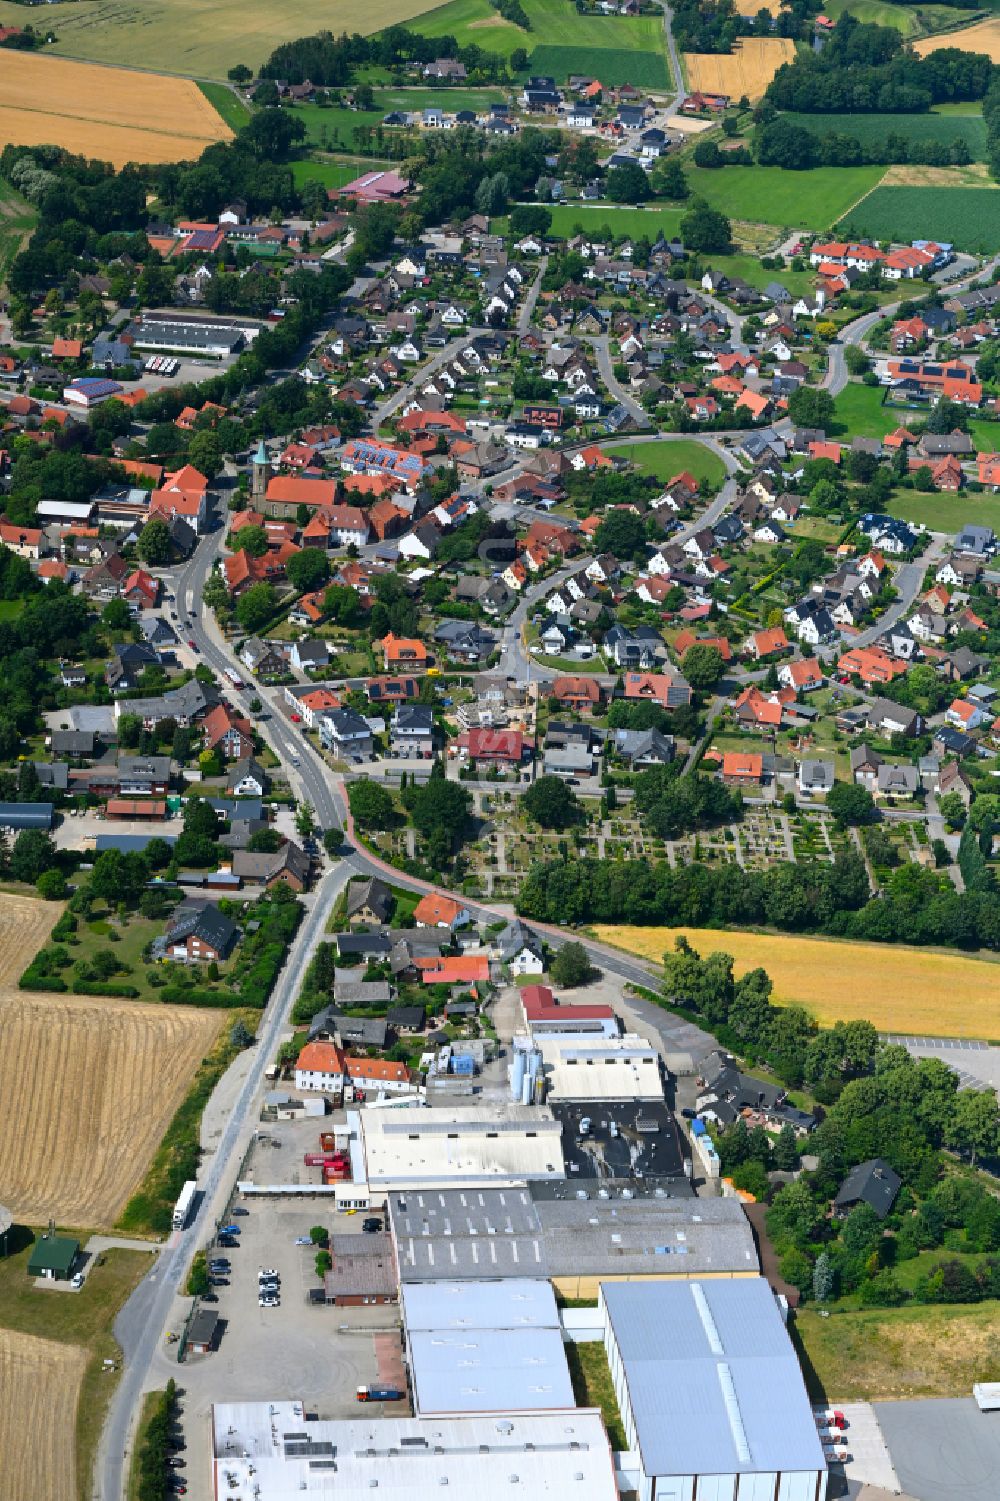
898	989
88	1087
748	69
115	114
984	36
40	1385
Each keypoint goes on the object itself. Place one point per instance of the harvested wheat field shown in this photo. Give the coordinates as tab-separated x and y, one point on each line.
748	69
89	1086
898	989
983	37
39	1387
25	925
114	114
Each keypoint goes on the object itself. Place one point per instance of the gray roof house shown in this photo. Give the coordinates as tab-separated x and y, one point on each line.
873	1182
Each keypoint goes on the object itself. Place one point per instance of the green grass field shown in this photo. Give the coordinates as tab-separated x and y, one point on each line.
911	20
595	219
664	460
872	129
793	200
17	220
946	513
334	174
612	65
966	217
897	1352
861	414
227	104
205	38
566	41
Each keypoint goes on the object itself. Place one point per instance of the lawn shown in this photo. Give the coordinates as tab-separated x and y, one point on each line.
862	414
591	1377
226	103
617	222
873	129
967	217
664	460
946	513
794	200
755	275
932	992
83	1319
897	1352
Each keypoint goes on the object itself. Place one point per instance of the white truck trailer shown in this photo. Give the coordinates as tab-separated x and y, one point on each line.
183	1206
987	1395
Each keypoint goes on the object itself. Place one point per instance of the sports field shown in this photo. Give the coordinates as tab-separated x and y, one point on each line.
873	129
792	200
334	174
967	217
748	69
204	38
665	459
896	988
115	114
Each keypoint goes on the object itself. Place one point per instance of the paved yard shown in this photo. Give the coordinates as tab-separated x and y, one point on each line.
317	1353
869	1463
943	1450
78	831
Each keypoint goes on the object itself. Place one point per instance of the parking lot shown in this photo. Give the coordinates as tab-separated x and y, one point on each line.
315	1352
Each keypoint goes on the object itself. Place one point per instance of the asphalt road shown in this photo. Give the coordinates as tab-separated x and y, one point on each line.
139	1327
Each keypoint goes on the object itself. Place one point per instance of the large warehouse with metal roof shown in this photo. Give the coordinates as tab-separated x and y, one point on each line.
710	1393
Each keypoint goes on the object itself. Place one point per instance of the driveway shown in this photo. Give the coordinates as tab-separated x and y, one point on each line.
943	1450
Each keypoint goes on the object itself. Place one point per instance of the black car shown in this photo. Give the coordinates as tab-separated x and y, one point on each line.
370	1226
241	1211
688	1115
176	1464
229	1241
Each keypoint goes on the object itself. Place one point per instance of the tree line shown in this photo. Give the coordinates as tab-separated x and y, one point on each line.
866	69
915	906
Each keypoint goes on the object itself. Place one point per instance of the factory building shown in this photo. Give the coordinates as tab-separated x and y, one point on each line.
412	1147
575	1241
272	1451
485	1346
710	1393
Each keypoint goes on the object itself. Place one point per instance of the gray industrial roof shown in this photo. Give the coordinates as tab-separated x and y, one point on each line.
489	1346
514	1232
645	1236
712	1378
511	1303
490	1370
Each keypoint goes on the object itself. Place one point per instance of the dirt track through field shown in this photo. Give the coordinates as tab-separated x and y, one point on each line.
39	1388
748	69
114	114
88	1087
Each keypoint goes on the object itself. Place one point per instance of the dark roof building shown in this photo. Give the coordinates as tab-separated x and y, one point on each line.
874	1183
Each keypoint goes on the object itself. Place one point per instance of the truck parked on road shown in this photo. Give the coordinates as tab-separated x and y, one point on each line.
987	1395
379	1394
183	1206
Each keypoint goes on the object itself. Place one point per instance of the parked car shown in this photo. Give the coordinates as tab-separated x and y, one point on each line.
268	1273
268	1302
370	1226
230	1230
